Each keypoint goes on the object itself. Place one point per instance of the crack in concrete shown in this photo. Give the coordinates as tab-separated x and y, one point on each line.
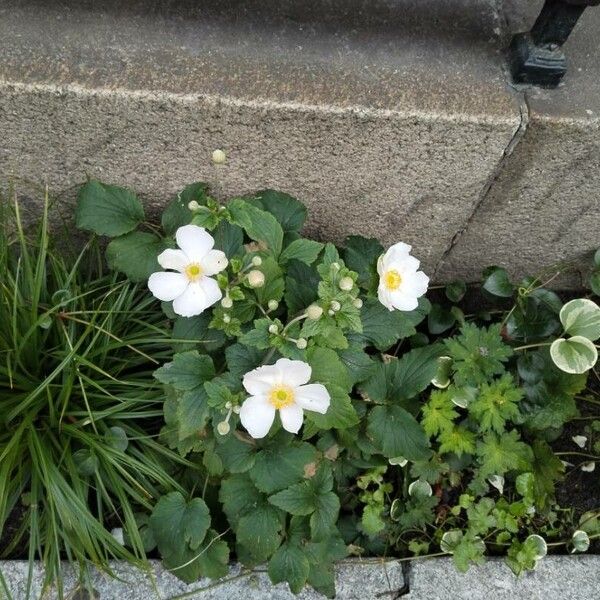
487	188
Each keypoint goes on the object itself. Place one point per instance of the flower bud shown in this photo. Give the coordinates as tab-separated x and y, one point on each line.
256	261
314	312
335	266
273	329
223	428
358	303
228	404
273	304
331	312
219	157
227	302
256	278
346	284
335	305
226	319
193	205
236	409
301	344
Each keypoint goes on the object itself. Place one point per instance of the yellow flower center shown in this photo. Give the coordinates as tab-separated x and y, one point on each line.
392	280
193	271
281	396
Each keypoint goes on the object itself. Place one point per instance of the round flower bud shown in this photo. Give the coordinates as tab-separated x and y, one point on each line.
236	409
227	302
335	305
301	344
226	319
314	312
273	304
346	284
256	261
223	428
228	404
335	266
219	157
193	205
273	328
358	303
256	278
331	312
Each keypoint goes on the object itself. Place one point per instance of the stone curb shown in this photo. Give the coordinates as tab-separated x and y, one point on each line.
557	577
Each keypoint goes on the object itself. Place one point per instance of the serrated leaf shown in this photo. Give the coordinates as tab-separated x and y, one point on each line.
241	358
135	254
289	564
186	371
107	209
302	249
213	557
237	456
289	211
360	255
191	332
340	414
298	499
259	531
177	214
259	225
397	433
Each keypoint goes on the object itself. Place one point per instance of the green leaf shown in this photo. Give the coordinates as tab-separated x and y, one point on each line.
241	358
179	527
581	317
595	281
259	530
298	499
397	433
192	412
135	254
327	367
340	414
177	214
325	516
229	238
260	225
117	438
290	213
259	337
502	453
439	413
237	456
439	319
456	290
404	378
198	333
496	404
213	557
289	564
239	496
575	355
187	370
383	328
107	209
86	462
276	468
301	284
458	440
304	250
497	283
361	254
359	364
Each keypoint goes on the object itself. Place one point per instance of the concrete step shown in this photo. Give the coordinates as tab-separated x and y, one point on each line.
390	118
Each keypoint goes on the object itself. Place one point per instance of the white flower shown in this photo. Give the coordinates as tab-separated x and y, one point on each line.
283	386
400	281
189	284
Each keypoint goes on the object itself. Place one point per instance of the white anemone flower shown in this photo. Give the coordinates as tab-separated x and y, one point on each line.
284	387
189	284
400	281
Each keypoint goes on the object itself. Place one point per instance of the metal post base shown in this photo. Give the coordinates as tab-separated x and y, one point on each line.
537	65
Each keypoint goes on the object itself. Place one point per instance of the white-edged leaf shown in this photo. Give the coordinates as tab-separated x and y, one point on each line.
580	541
581	317
575	355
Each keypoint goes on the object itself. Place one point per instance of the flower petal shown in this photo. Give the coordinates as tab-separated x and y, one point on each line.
195	241
397	252
259	381
212	290
293	372
415	283
192	302
405	265
291	417
403	301
167	286
214	262
384	297
173	259
313	396
257	415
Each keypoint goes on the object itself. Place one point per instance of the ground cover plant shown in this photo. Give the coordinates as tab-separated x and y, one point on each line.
321	406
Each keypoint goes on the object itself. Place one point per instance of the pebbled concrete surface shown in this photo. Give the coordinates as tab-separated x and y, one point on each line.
387	118
556	578
354	581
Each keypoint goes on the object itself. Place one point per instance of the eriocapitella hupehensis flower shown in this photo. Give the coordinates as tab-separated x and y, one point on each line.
284	387
189	284
401	283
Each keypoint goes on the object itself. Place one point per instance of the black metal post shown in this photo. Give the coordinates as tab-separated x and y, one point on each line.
536	57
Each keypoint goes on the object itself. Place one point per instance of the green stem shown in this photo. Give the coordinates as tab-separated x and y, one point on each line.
527	346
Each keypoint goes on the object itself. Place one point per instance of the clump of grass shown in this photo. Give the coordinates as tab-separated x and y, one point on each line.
80	411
